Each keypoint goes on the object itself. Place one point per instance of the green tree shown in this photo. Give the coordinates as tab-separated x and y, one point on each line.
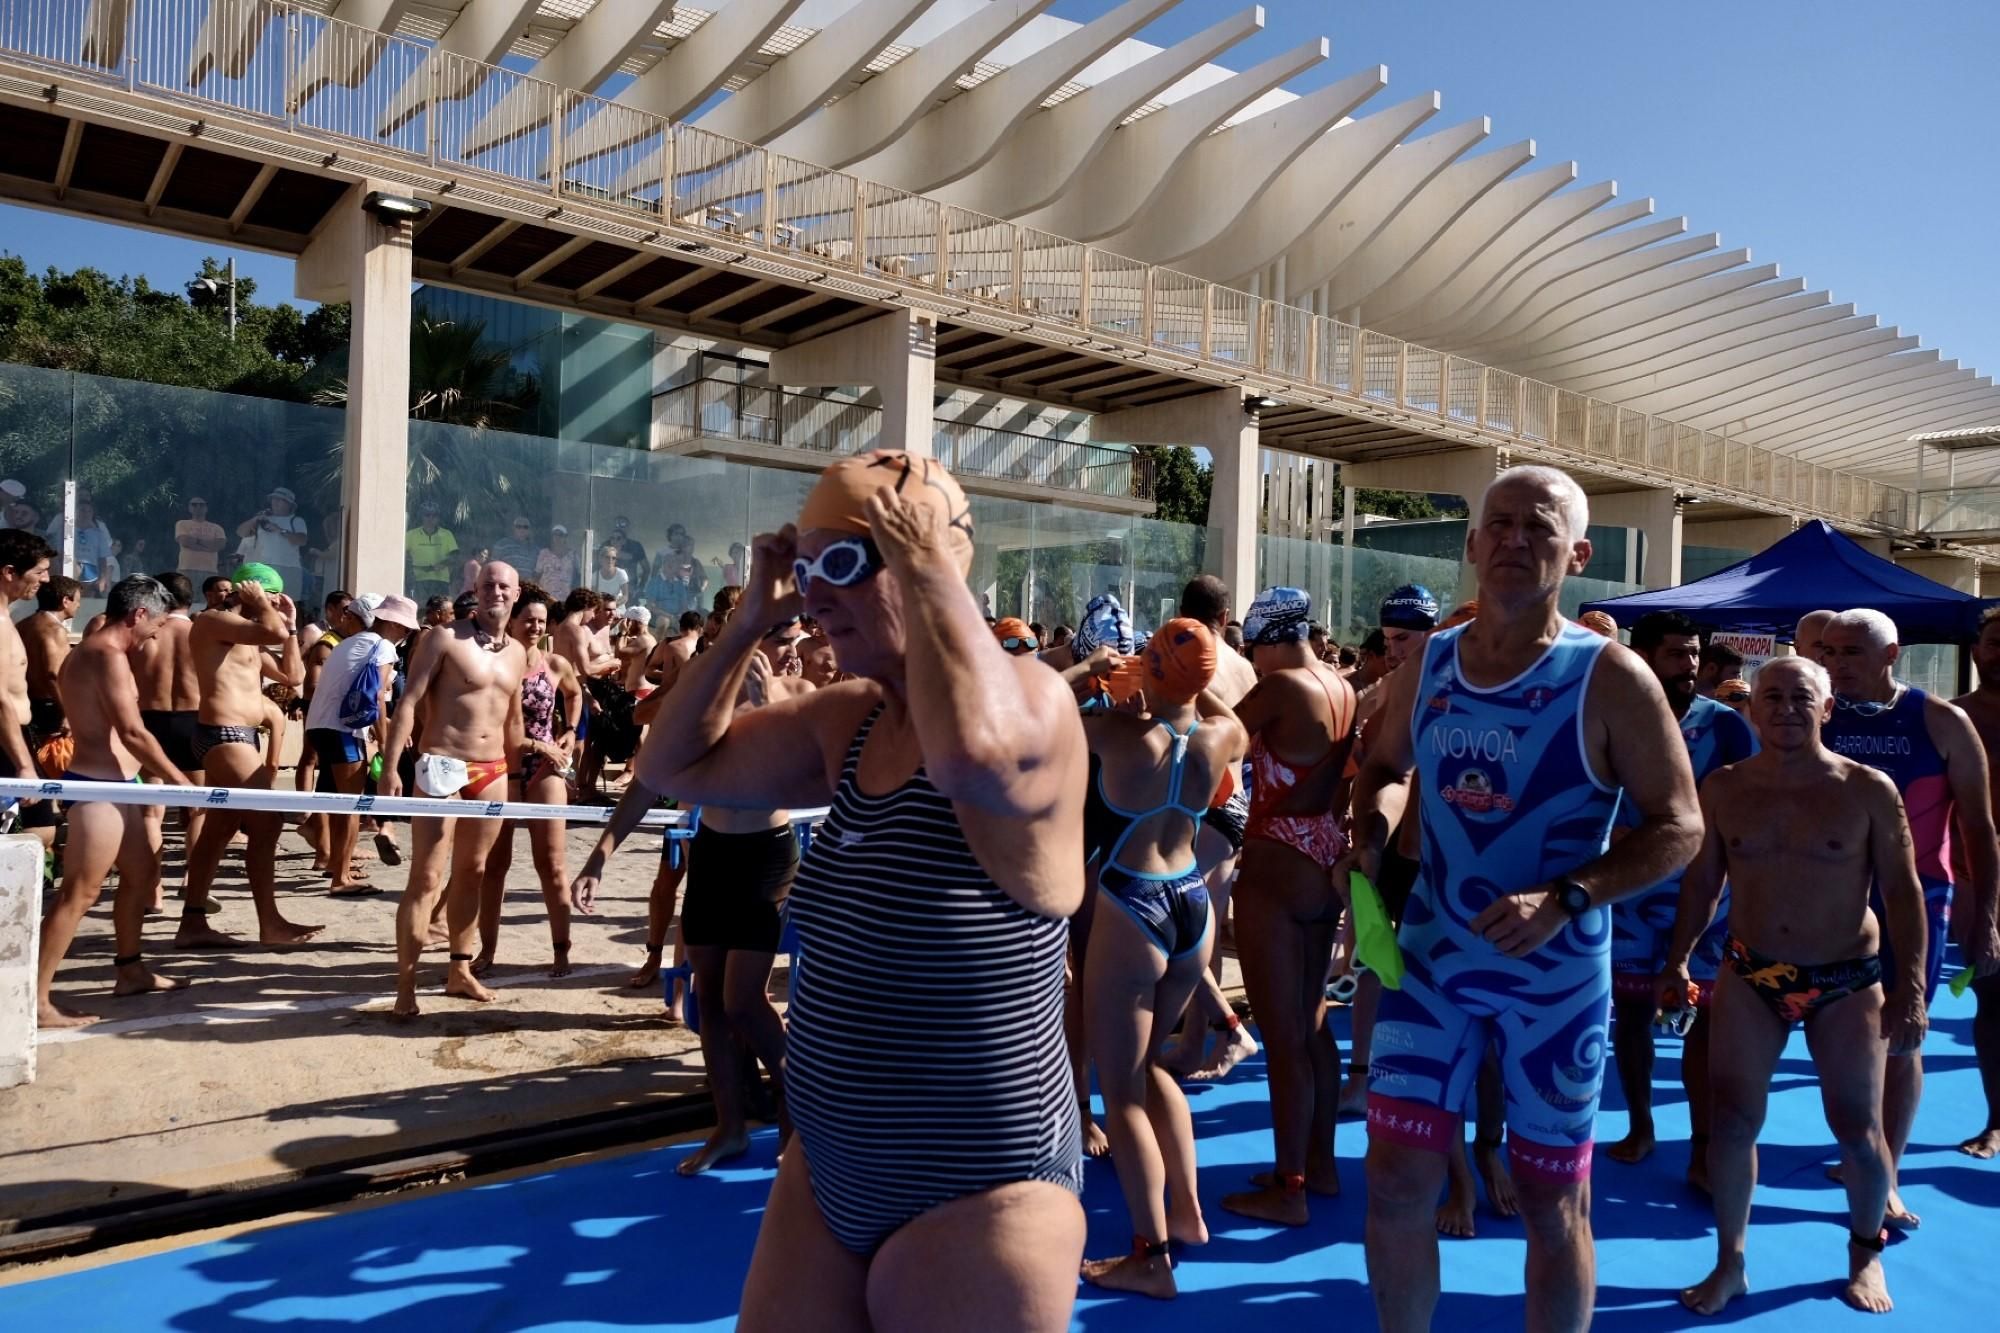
1181	485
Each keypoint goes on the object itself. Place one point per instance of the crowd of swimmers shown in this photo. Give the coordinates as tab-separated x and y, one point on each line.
1030	849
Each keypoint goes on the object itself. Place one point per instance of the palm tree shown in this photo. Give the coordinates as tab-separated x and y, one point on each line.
457	380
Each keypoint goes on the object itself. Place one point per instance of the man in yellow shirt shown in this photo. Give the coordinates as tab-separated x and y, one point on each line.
431	550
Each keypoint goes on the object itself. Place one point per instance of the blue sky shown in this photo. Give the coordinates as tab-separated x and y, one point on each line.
1852	143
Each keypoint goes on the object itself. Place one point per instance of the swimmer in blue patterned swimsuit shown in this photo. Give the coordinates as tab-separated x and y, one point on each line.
1521	728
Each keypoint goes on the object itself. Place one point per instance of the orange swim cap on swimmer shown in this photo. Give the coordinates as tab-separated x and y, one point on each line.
1011	627
839	501
1599	621
1179	661
1460	614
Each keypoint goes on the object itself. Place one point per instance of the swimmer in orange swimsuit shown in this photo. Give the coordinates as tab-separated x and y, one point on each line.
1301	722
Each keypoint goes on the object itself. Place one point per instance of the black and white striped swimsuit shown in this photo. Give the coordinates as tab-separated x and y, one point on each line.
924	1059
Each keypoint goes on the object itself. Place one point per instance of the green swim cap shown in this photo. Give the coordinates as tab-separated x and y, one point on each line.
257	572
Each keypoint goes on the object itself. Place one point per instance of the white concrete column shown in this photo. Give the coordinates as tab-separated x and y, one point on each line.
896	353
1219	422
1655	515
20	939
361	259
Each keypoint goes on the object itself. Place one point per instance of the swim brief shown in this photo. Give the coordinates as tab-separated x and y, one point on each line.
209	736
1173	913
448	775
1795	992
73	775
174	728
736	889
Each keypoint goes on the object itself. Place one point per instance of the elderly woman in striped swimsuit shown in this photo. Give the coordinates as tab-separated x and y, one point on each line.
933	1179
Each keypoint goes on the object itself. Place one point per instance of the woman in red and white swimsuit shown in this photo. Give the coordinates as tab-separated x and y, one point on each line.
1301	724
539	774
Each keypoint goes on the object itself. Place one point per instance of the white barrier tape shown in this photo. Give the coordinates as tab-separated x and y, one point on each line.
317	803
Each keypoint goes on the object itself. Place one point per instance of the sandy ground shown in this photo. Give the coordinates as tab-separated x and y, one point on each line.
275	1061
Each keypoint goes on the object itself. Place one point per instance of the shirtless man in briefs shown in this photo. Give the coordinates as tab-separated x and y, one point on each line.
231	665
1800	833
465	678
169	696
102	701
1982	706
24	568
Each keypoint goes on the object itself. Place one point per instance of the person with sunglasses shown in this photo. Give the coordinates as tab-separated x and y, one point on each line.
1016	638
935	1166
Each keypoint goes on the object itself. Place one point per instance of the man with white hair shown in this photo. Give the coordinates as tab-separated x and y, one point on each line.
1521	729
1805	838
1931	751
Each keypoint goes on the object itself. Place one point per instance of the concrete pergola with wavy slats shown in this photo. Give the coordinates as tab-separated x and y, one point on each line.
1340	200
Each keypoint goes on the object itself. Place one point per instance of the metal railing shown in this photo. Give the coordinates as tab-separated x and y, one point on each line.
319	77
719	409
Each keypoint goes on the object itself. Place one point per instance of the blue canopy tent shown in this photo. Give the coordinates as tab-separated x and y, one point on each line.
1814	569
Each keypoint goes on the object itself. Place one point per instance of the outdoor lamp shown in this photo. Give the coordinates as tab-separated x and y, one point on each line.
393	208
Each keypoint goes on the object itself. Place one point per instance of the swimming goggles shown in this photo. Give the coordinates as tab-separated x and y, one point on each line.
842	564
1015	644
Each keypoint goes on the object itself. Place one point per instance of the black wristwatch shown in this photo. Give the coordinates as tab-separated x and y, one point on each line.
1575	899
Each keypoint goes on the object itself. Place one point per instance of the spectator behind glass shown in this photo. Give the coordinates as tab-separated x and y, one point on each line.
432	551
93	545
437	611
631	555
17	512
737	571
555	567
275	535
199	540
609	579
518	548
468	573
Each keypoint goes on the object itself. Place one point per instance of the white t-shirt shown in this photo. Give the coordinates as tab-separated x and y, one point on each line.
271	547
337	676
612	585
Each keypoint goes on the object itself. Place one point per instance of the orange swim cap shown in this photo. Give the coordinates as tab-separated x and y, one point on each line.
1179	661
1599	621
1462	613
839	501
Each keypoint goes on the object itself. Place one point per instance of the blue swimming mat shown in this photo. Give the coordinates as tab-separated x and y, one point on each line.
626	1244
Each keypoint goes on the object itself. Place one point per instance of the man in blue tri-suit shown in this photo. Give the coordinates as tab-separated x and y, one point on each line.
1522	729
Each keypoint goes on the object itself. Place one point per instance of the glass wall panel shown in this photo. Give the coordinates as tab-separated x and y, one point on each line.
150	458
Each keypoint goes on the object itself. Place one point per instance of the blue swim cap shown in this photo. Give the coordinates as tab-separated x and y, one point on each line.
1409	607
1279	615
1105	623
